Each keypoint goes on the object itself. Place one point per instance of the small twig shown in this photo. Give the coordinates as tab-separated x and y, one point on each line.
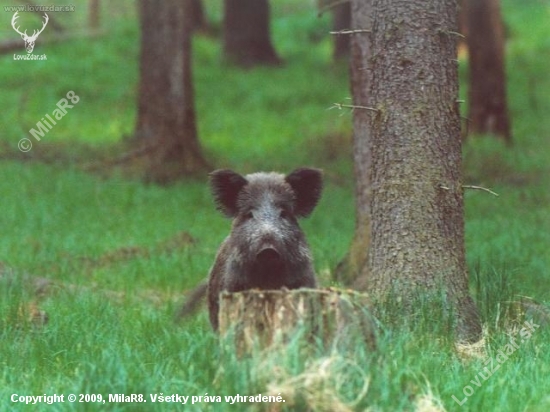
350	31
481	188
351	106
472	187
454	33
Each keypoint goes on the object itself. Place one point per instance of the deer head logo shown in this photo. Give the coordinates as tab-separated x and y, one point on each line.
29	40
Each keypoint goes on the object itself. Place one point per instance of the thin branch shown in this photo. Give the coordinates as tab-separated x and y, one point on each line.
350	31
481	188
351	106
454	33
472	187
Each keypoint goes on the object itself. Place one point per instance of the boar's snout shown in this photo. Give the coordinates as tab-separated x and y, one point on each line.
269	269
268	254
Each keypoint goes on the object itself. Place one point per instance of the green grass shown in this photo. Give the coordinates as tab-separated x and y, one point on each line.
120	254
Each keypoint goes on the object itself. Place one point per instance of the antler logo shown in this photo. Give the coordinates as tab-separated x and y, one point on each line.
29	40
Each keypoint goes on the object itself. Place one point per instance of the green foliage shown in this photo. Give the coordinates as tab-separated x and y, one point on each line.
119	254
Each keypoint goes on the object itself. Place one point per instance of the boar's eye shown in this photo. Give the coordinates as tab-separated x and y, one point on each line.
249	215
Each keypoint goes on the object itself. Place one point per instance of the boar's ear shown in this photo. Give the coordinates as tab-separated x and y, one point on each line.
308	185
226	186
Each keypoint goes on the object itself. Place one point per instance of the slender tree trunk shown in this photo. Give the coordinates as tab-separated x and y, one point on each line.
462	29
93	14
341	20
408	148
166	113
352	270
247	40
488	108
198	19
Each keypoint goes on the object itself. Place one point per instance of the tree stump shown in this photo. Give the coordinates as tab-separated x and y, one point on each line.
264	319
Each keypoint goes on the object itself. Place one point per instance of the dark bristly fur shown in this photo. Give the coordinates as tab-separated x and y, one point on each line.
266	248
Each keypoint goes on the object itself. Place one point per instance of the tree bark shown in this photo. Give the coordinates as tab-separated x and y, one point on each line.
488	107
166	120
246	38
408	154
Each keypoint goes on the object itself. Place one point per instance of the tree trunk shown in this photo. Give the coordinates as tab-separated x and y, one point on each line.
166	122
198	19
352	270
93	14
408	154
462	29
488	108
246	39
341	20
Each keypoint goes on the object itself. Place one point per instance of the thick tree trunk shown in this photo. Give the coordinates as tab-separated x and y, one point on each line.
246	38
408	153
341	20
166	114
488	108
